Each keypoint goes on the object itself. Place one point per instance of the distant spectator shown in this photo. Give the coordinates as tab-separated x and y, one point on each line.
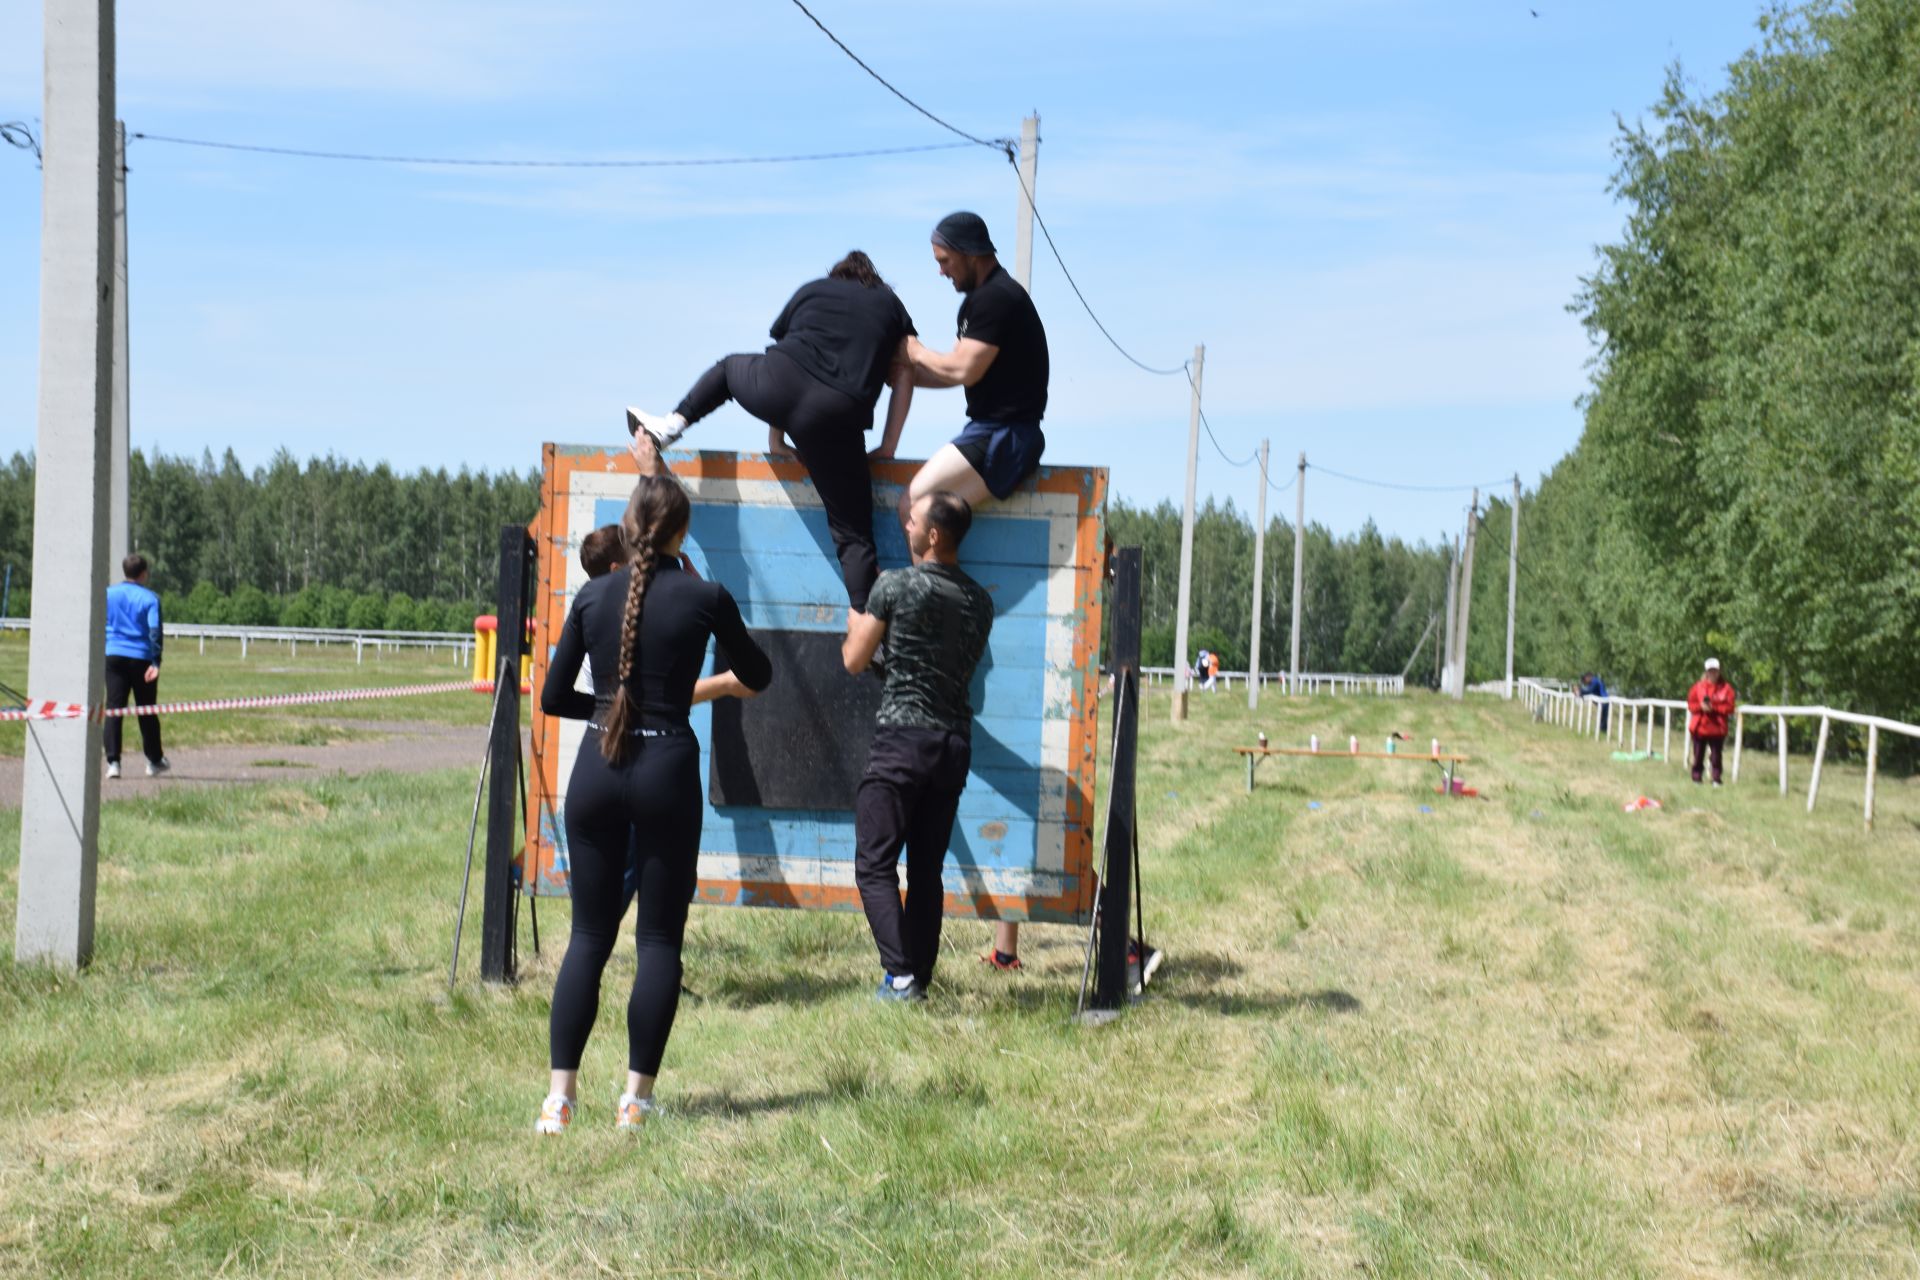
134	641
1711	700
1592	686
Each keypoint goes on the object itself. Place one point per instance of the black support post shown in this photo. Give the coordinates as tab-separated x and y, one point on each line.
1119	840
503	756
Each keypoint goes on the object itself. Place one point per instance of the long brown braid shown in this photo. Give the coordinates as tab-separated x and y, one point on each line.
656	514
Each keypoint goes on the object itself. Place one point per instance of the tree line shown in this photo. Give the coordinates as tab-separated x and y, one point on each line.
1747	483
1368	602
329	543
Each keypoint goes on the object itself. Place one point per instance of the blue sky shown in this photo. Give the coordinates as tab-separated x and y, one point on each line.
1372	212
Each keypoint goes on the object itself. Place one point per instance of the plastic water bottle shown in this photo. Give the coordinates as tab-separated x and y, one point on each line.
1353	744
1313	742
1436	748
1263	742
1390	744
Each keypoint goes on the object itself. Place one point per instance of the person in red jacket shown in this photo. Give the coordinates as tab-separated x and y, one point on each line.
1711	701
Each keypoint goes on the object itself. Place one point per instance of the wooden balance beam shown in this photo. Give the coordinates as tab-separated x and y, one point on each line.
1443	760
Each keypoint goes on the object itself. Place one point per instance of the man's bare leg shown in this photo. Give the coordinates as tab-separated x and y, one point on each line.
947	469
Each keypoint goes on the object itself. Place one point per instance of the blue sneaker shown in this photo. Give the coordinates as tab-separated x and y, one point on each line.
891	991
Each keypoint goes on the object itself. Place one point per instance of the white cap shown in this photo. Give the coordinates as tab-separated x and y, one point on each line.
1713	664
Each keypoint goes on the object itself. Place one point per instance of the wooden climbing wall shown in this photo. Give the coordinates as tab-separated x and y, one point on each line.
1023	846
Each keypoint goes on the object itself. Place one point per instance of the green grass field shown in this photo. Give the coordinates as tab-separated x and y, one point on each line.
1529	1035
189	675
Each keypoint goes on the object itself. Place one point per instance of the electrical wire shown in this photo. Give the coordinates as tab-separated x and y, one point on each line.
20	134
473	163
1247	461
1075	286
1408	488
998	144
1480	522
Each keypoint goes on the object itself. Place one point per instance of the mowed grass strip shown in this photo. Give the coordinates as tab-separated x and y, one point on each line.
269	669
1396	1035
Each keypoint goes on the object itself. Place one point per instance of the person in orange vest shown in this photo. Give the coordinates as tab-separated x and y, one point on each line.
1711	700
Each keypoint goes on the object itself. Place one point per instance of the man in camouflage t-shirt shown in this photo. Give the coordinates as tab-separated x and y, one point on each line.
934	620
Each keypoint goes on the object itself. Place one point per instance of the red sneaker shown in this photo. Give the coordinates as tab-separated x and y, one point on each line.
1001	960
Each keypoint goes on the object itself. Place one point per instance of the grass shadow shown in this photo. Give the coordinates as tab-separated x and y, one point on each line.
751	990
1228	1003
725	1103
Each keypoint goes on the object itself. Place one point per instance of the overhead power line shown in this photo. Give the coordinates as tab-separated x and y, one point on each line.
1247	461
998	144
20	134
1054	249
1407	488
1481	521
468	162
1009	148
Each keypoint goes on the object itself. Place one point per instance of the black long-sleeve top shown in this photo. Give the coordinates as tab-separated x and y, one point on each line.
681	611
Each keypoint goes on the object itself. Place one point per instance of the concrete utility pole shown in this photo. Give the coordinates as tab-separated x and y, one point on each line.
1180	682
1023	235
1513	580
60	808
119	524
1299	565
1259	583
1453	617
1466	598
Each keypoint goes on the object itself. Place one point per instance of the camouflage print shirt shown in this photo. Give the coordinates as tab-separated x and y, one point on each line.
937	623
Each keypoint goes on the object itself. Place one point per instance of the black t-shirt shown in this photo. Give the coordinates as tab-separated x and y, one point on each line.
679	613
843	333
1014	387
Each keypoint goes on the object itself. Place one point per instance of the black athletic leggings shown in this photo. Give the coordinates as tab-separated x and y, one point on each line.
654	798
827	427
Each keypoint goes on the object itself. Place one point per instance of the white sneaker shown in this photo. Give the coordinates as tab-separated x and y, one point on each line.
556	1113
664	430
157	767
633	1111
113	768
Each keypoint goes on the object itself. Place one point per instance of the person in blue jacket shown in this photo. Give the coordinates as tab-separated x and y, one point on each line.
134	640
1593	686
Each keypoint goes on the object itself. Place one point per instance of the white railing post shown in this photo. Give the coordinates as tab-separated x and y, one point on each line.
1739	729
1819	757
1782	720
1873	767
1666	735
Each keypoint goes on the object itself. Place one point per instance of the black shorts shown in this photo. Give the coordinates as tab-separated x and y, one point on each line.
1004	453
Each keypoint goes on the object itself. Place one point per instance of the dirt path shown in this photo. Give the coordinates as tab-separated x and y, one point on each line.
405	747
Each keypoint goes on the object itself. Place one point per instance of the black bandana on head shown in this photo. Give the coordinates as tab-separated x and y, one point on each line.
964	233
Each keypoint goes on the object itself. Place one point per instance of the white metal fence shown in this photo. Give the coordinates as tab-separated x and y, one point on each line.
379	642
1308	684
1624	728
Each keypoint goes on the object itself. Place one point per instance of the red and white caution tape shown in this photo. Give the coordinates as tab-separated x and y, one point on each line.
74	710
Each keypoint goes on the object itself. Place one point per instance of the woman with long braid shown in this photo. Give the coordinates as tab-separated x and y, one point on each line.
645	627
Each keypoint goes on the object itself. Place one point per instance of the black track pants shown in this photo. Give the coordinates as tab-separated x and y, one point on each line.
124	676
826	426
907	800
652	805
